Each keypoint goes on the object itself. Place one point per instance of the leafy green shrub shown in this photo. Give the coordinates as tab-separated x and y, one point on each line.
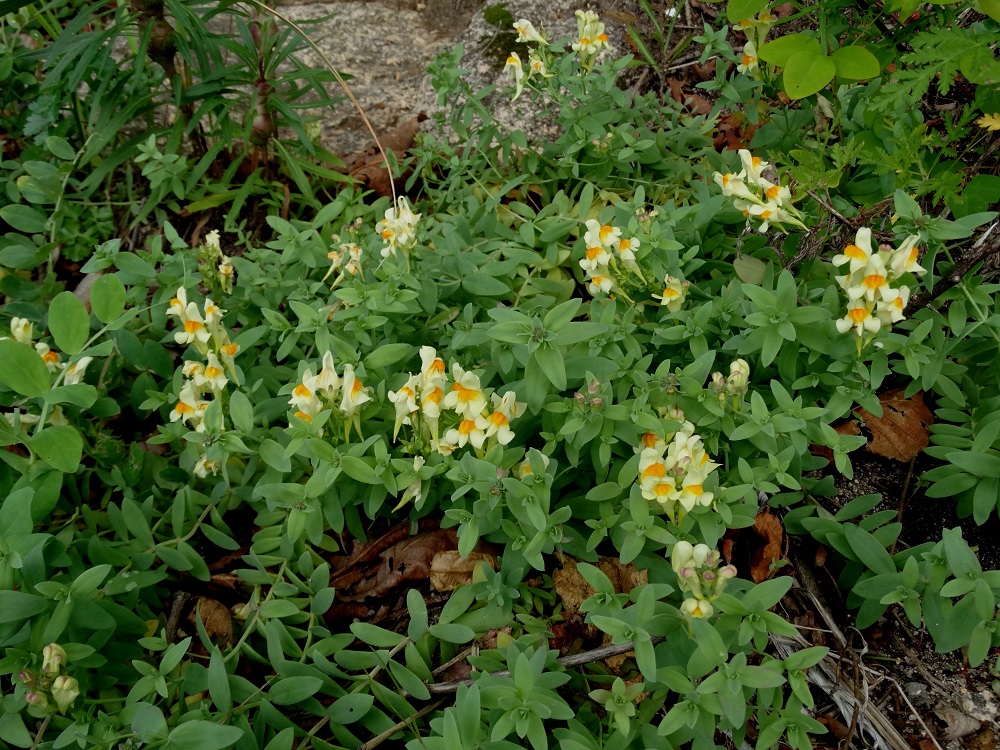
617	343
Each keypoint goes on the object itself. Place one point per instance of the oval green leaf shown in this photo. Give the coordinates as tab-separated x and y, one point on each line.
23	218
107	298
69	322
60	446
780	50
740	10
806	73
855	63
23	370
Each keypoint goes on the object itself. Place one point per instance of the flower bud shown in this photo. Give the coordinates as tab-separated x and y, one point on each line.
64	691
36	699
597	403
708	575
594	386
739	376
580	398
53	659
727	571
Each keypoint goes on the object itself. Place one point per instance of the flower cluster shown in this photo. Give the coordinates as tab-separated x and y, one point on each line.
214	265
673	471
735	386
345	258
876	296
756	30
314	393
756	197
699	576
203	330
52	685
674	293
425	398
398	229
527	34
606	249
203	381
591	39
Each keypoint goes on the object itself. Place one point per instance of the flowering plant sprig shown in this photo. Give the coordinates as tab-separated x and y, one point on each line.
397	229
315	393
875	284
699	577
673	471
50	689
478	418
758	198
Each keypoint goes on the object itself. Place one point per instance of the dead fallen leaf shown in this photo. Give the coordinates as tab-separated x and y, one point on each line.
768	527
215	617
408	560
902	431
984	740
572	588
449	569
958	724
369	165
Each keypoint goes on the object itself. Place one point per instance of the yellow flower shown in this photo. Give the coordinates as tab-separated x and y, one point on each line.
513	66
989	122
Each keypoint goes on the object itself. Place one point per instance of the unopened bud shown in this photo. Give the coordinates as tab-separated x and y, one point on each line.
36	699
727	571
708	575
594	386
580	398
597	403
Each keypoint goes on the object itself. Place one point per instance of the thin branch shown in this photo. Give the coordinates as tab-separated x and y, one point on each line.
574	660
978	252
399	726
831	209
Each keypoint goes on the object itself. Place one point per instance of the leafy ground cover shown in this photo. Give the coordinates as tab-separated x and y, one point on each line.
623	438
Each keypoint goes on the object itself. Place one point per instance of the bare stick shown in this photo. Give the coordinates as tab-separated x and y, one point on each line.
584	657
399	726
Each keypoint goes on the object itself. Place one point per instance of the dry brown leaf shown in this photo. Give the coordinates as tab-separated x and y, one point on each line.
215	617
902	431
959	724
369	166
768	527
572	588
449	569
408	560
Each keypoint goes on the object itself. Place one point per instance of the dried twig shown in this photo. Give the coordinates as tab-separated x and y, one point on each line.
978	252
399	726
584	657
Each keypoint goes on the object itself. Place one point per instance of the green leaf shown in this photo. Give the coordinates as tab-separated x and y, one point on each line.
869	550
241	412
59	147
78	394
13	731
203	735
453	632
550	361
375	636
218	682
23	370
292	690
19	605
980	464
107	298
69	322
484	286
749	269
349	708
855	63
740	10
418	614
60	446
388	354
806	73
781	49
24	218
